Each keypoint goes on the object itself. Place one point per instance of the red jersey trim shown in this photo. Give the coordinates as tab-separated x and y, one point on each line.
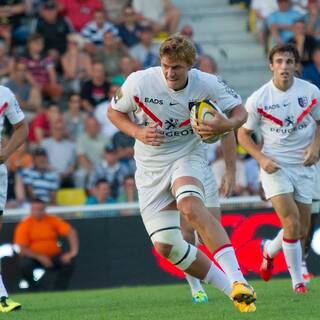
147	111
270	117
4	106
307	110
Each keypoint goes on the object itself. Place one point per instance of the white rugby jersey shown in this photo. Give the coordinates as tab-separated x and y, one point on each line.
9	107
286	119
146	95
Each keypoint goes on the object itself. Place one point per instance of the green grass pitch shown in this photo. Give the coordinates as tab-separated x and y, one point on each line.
275	301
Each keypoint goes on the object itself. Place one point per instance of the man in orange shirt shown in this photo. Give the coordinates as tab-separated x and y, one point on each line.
37	237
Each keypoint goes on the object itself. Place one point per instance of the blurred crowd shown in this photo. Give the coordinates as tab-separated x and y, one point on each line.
290	21
65	60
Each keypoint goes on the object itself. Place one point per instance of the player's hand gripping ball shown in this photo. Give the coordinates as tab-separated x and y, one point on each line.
199	111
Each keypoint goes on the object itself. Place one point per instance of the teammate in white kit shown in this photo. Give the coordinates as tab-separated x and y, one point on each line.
287	111
172	172
9	107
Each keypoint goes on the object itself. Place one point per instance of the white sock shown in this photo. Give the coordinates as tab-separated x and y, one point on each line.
275	245
194	283
293	255
3	291
219	279
227	260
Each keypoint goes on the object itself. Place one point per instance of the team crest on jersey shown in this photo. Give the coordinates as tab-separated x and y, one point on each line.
303	101
118	95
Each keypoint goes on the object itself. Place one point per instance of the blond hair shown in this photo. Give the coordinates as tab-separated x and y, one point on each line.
178	47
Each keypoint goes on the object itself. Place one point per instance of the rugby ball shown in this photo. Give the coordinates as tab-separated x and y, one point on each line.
199	111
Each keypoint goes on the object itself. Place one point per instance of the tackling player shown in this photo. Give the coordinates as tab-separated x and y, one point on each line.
172	172
9	107
287	111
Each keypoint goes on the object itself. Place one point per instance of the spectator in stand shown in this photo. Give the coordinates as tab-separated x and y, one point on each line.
90	146
5	31
102	194
110	169
207	64
11	14
115	9
146	52
76	64
304	42
107	127
61	153
79	12
262	9
110	54
187	31
312	71
95	90
281	22
41	68
127	66
129	194
6	63
27	94
41	123
124	146
40	181
312	18
37	236
74	118
162	14
130	27
53	27
93	32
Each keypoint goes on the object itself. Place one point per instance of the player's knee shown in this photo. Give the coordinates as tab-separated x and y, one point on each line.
190	208
190	201
163	249
171	245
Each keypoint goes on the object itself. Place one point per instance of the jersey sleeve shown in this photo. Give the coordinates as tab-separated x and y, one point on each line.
13	111
222	94
254	117
315	112
123	99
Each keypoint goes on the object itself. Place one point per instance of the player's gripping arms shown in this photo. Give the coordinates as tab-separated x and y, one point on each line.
151	135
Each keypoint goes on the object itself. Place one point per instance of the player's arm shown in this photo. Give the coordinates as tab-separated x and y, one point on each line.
19	136
246	141
148	135
311	154
220	124
228	145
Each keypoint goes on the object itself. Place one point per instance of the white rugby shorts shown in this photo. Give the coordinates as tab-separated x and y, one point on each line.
155	187
296	179
316	185
3	186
